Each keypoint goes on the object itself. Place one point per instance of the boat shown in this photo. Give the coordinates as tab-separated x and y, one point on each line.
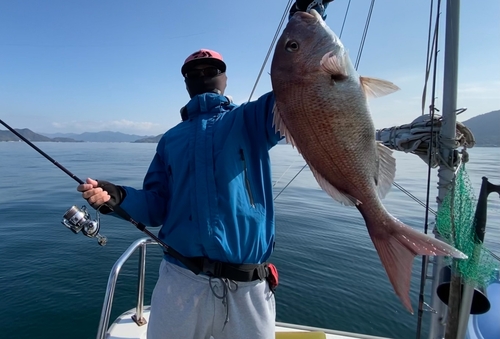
133	323
486	325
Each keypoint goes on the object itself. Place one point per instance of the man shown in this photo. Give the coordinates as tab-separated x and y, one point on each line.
209	186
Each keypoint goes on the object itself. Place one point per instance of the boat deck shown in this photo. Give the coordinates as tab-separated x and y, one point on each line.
125	328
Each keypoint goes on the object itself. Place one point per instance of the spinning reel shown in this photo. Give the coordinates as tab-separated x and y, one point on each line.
80	220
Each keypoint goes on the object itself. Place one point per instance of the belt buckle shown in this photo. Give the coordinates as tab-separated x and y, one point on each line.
212	267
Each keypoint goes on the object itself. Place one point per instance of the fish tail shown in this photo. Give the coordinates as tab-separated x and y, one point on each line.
397	245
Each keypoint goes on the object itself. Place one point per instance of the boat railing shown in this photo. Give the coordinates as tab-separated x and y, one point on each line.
138	318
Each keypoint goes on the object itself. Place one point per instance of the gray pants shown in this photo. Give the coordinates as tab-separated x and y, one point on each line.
189	306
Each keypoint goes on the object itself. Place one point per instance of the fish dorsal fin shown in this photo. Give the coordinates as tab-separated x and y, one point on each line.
375	88
334	65
279	125
386	170
343	198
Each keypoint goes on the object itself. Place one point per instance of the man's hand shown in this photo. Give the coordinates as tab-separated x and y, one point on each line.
99	192
306	5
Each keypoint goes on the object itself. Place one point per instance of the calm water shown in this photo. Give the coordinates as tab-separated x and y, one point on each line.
52	282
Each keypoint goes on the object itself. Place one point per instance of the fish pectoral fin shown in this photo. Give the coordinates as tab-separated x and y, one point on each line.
343	198
332	64
279	126
386	170
375	88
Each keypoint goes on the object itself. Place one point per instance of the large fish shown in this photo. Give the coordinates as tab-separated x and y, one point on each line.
321	109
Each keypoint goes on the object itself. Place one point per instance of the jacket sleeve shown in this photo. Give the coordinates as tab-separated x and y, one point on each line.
149	205
259	119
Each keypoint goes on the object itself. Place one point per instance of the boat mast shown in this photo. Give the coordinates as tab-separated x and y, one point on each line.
446	171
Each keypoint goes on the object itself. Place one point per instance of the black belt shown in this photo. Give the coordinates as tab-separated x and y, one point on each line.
218	269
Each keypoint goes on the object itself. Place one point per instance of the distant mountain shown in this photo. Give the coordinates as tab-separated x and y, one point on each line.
486	129
155	139
104	136
6	135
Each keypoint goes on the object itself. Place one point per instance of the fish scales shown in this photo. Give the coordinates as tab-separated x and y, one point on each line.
321	108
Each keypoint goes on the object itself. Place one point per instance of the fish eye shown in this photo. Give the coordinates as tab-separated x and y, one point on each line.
292	46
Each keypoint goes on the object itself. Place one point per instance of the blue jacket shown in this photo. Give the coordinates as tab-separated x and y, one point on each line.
209	183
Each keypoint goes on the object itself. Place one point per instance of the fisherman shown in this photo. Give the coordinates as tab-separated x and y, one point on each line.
209	187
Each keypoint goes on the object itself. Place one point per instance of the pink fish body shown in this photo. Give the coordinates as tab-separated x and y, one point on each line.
322	110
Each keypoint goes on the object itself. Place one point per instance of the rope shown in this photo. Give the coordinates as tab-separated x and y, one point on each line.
227	286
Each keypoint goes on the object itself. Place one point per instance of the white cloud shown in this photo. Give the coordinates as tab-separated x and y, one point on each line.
478	91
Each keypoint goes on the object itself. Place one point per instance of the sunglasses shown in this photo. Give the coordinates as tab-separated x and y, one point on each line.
198	73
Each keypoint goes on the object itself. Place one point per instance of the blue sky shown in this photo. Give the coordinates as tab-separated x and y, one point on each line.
75	66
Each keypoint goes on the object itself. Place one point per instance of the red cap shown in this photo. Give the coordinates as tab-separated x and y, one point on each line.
204	56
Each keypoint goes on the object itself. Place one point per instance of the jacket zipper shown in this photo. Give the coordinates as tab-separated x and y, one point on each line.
247	181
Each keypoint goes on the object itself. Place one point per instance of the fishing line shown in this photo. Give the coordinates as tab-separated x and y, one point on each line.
117	209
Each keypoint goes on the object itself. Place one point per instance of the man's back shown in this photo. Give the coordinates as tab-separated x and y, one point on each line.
215	170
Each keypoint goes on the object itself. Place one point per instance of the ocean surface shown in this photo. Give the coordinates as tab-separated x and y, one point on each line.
52	282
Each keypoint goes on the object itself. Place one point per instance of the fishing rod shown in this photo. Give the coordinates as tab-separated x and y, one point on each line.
79	219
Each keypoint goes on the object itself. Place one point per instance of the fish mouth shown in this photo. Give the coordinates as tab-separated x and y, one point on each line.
311	17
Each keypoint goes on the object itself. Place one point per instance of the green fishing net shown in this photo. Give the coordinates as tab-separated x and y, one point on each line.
455	222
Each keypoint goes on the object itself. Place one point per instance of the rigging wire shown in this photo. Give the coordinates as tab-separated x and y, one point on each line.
425	258
293	162
492	254
289	182
432	51
365	32
360	51
408	193
367	23
430	46
275	38
345	17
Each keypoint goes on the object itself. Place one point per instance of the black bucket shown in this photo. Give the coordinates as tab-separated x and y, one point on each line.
480	302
